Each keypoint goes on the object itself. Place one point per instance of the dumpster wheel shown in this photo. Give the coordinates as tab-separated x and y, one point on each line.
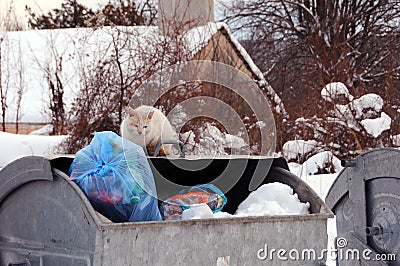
365	198
383	215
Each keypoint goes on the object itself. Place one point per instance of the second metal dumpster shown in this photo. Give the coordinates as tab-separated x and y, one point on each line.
366	200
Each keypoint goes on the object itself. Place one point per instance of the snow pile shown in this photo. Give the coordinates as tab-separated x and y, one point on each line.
367	106
44	131
212	142
295	148
376	126
334	91
16	146
234	142
272	199
198	211
268	200
320	183
319	163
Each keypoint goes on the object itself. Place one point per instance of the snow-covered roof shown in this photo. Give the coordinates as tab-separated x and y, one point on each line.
29	57
201	35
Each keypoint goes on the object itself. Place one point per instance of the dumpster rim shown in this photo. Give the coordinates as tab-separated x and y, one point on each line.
218	221
323	214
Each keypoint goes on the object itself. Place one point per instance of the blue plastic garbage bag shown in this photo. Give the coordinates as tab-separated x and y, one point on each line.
116	177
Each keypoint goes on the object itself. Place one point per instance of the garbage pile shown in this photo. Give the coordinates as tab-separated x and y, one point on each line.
205	194
117	179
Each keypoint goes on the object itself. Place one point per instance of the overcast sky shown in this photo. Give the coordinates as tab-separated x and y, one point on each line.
43	6
40	6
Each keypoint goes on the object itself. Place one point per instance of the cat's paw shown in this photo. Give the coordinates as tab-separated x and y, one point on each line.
151	149
164	151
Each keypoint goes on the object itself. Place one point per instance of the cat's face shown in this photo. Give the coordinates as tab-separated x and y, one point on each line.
139	123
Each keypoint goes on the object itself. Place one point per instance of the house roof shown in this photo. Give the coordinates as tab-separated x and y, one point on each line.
29	57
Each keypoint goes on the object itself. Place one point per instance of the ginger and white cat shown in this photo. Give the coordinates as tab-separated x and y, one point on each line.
145	126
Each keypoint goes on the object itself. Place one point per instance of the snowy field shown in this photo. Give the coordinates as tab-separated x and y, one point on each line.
16	146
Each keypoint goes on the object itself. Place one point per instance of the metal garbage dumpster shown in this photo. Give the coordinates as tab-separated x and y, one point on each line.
45	219
366	200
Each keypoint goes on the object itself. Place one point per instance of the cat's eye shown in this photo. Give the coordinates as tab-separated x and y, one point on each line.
136	125
144	126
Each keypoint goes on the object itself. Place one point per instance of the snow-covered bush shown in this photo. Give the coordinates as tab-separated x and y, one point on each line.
321	163
297	149
346	126
335	92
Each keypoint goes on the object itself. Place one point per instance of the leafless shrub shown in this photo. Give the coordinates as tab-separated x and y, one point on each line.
303	45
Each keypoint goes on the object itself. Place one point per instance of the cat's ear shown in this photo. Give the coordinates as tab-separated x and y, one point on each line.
131	111
150	115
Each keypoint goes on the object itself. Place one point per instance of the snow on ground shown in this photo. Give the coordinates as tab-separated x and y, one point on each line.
321	185
44	131
16	146
293	148
315	164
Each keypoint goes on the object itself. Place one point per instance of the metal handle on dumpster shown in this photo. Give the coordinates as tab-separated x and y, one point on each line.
348	163
182	150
